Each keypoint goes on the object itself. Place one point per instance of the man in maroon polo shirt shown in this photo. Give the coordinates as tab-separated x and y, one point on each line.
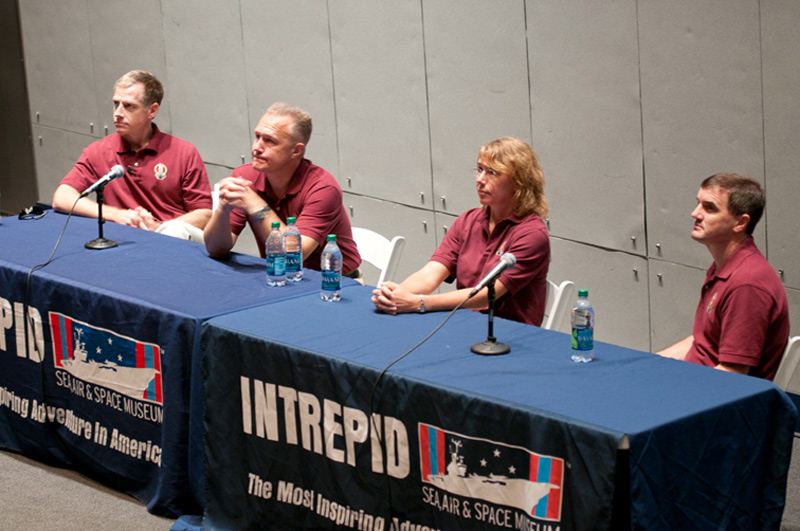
742	321
278	184
165	187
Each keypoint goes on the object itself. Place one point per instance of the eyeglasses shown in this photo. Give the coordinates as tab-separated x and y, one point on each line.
489	172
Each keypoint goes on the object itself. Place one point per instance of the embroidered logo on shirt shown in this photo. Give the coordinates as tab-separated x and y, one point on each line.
161	171
502	248
711	303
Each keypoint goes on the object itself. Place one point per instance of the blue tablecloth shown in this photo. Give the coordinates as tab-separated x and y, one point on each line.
529	440
107	385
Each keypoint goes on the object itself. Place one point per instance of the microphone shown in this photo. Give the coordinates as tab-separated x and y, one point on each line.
507	261
116	171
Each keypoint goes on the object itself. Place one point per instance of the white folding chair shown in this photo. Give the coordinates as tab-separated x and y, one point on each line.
557	303
789	362
379	251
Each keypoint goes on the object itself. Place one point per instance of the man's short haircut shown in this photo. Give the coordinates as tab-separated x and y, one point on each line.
301	120
745	195
153	89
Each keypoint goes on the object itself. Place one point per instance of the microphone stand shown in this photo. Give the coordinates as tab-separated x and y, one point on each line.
100	242
490	347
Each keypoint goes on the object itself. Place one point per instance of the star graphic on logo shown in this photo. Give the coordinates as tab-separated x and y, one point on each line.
497	453
512	469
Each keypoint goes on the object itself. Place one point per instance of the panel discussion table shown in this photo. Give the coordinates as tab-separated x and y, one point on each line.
297	439
108	381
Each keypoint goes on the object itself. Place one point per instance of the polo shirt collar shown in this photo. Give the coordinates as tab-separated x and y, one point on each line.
510	219
154	144
295	184
745	249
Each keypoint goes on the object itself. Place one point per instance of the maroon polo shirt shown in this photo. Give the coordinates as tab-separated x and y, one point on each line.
314	197
168	177
469	251
743	314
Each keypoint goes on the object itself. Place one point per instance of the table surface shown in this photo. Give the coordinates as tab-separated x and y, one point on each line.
150	289
671	411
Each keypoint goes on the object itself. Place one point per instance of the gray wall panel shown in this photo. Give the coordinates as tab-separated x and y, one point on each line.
206	77
55	152
380	86
618	294
110	61
701	99
674	293
584	75
405	94
781	45
477	88
287	58
59	65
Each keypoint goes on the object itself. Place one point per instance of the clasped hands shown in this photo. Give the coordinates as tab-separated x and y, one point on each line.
235	192
137	217
392	298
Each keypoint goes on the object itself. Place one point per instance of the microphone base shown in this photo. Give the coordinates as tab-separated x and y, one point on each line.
100	243
490	348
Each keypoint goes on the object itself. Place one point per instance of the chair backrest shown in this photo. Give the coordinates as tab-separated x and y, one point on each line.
789	363
557	303
381	252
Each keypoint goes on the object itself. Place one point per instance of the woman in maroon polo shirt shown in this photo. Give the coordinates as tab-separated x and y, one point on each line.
510	186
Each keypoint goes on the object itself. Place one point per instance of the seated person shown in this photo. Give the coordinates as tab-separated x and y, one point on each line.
742	320
165	187
278	184
510	186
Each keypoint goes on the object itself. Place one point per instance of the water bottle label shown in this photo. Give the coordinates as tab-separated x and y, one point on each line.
331	280
582	338
293	261
582	318
276	265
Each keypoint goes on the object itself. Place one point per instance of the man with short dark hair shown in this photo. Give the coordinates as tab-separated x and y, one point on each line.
742	321
165	187
278	184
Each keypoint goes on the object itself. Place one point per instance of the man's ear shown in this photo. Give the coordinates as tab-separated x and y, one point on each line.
742	223
299	150
153	110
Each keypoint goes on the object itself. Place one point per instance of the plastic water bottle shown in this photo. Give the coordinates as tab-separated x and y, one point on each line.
582	320
331	267
293	244
276	257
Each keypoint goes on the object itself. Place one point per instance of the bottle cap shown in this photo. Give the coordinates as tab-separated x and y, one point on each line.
583	293
276	224
331	237
290	220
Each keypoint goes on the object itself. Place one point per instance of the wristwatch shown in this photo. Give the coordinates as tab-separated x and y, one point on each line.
421	303
259	214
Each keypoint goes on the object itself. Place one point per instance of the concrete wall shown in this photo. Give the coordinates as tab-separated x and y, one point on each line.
630	104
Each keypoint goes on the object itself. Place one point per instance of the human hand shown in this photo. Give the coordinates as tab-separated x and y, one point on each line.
392	298
235	192
146	219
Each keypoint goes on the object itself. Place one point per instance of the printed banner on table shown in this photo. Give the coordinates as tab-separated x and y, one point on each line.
107	359
491	471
